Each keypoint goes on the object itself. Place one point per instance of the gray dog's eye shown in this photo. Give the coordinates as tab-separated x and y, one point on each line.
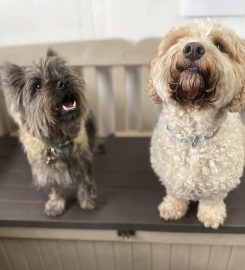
37	85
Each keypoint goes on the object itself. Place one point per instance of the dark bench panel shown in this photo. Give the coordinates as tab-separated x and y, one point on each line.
128	194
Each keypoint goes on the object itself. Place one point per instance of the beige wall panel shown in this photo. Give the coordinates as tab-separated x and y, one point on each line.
236	259
4	258
161	256
123	256
219	257
180	257
199	257
104	256
68	255
16	254
51	254
86	255
142	256
33	254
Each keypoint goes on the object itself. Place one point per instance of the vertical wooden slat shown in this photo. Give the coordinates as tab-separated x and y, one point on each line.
106	114
16	254
6	122
68	255
119	95
182	252
50	254
142	256
161	256
89	76
133	98
237	259
78	71
104	254
147	104
123	256
86	255
199	258
33	255
219	257
4	258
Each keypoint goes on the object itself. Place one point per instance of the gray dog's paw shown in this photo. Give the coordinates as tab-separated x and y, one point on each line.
87	204
54	207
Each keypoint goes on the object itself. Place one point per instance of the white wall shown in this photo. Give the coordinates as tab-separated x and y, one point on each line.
40	21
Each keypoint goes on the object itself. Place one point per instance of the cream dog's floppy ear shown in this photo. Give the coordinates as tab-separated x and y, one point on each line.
238	101
150	89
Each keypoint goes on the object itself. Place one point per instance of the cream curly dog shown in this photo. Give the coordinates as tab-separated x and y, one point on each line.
197	147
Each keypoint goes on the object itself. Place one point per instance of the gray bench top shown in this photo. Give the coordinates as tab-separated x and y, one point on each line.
129	193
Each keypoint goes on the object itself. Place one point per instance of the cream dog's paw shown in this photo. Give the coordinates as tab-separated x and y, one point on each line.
172	208
212	215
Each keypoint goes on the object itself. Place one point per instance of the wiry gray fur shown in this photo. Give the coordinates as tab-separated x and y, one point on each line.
47	131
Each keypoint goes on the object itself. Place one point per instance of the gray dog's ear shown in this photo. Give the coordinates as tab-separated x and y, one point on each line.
51	52
13	76
13	83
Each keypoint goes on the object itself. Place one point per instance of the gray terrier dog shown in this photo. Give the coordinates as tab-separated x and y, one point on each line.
57	130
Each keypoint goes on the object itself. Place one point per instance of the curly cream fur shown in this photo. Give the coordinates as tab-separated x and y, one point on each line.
208	171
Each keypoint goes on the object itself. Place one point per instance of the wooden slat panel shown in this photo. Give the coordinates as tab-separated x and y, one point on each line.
183	253
142	52
106	114
161	256
133	98
119	95
33	254
68	255
147	104
4	258
123	256
78	71
93	52
89	76
200	257
237	258
142	256
104	255
219	257
50	255
86	255
16	254
6	122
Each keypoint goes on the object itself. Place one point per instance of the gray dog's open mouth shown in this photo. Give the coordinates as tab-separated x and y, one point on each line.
68	109
68	104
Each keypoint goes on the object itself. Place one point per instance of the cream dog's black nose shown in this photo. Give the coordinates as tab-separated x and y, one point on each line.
62	84
193	51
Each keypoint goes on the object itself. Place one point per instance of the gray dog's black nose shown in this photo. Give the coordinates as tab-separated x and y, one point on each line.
62	84
193	51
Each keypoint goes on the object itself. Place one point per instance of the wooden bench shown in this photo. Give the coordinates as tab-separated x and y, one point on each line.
125	231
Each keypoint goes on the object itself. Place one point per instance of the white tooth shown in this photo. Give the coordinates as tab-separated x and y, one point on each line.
74	104
64	107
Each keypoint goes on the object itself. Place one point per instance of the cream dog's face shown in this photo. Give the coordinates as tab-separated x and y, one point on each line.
199	64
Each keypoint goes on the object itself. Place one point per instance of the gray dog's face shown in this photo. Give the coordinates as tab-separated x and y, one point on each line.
47	98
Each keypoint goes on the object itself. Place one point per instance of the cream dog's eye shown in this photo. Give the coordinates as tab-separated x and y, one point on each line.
219	46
